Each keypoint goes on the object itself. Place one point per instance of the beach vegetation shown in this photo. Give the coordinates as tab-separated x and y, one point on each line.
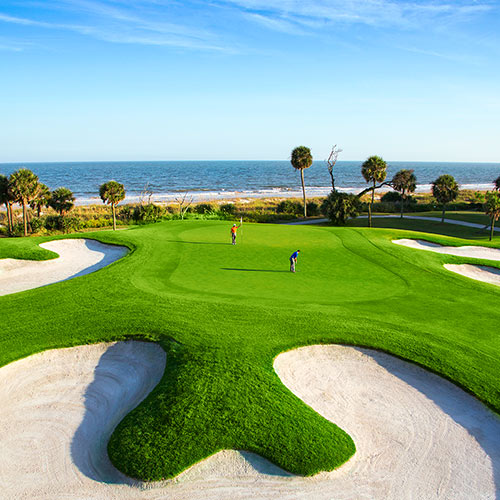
496	182
445	189
147	213
40	200
404	182
7	199
374	170
23	185
228	208
301	159
62	200
112	193
492	209
340	207
203	208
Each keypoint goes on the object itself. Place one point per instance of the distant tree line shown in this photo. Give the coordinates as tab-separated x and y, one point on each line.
340	206
24	188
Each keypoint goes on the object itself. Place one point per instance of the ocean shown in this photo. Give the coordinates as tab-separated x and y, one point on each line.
215	180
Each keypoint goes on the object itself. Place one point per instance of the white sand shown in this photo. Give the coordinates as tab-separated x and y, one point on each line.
76	258
481	273
474	252
417	435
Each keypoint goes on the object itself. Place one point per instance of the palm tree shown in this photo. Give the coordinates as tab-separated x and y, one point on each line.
6	199
41	199
492	208
23	185
497	184
404	182
112	193
374	169
445	189
62	200
301	159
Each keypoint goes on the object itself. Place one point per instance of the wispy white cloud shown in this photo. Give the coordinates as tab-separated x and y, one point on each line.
125	25
383	13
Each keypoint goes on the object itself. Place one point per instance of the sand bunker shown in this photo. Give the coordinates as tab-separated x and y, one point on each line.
417	435
480	273
474	252
76	258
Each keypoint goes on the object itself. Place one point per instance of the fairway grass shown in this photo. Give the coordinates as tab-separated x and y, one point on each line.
223	313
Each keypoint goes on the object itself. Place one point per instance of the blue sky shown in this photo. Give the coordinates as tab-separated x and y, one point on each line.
235	79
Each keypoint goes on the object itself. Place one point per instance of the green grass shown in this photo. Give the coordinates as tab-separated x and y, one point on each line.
223	313
476	217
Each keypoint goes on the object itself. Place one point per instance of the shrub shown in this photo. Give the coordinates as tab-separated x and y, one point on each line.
339	207
203	208
70	224
289	207
36	224
147	213
53	222
391	197
228	208
312	208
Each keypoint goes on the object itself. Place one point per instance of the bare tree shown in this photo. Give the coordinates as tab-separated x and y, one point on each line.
184	203
147	191
331	161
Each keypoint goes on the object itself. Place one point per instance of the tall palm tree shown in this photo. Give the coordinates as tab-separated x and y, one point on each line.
301	159
492	208
112	193
374	170
6	199
41	199
62	200
23	185
445	189
404	182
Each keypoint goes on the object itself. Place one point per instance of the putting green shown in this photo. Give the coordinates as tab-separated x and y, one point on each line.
222	313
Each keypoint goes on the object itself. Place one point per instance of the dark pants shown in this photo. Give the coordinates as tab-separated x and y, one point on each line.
233	238
292	265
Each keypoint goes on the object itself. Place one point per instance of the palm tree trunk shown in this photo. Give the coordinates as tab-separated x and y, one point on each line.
303	191
370	205
402	203
492	227
442	215
9	209
114	217
9	224
25	219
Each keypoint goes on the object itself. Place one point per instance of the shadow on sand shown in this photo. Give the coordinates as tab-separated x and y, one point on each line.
125	375
463	408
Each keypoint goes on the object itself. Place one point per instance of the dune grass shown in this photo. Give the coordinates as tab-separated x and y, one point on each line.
224	312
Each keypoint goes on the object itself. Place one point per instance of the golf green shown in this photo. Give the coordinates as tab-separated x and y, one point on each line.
222	313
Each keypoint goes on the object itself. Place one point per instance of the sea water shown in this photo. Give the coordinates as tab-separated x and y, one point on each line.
213	180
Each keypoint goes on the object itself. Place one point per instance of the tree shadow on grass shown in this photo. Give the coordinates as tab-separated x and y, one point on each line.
463	408
255	270
125	375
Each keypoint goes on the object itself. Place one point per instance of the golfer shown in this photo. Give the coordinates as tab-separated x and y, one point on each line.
234	229
293	260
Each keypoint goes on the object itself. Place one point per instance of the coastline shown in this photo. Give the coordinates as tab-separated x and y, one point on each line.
247	196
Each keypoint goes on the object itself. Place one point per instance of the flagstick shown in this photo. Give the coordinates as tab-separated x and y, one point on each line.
241	224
